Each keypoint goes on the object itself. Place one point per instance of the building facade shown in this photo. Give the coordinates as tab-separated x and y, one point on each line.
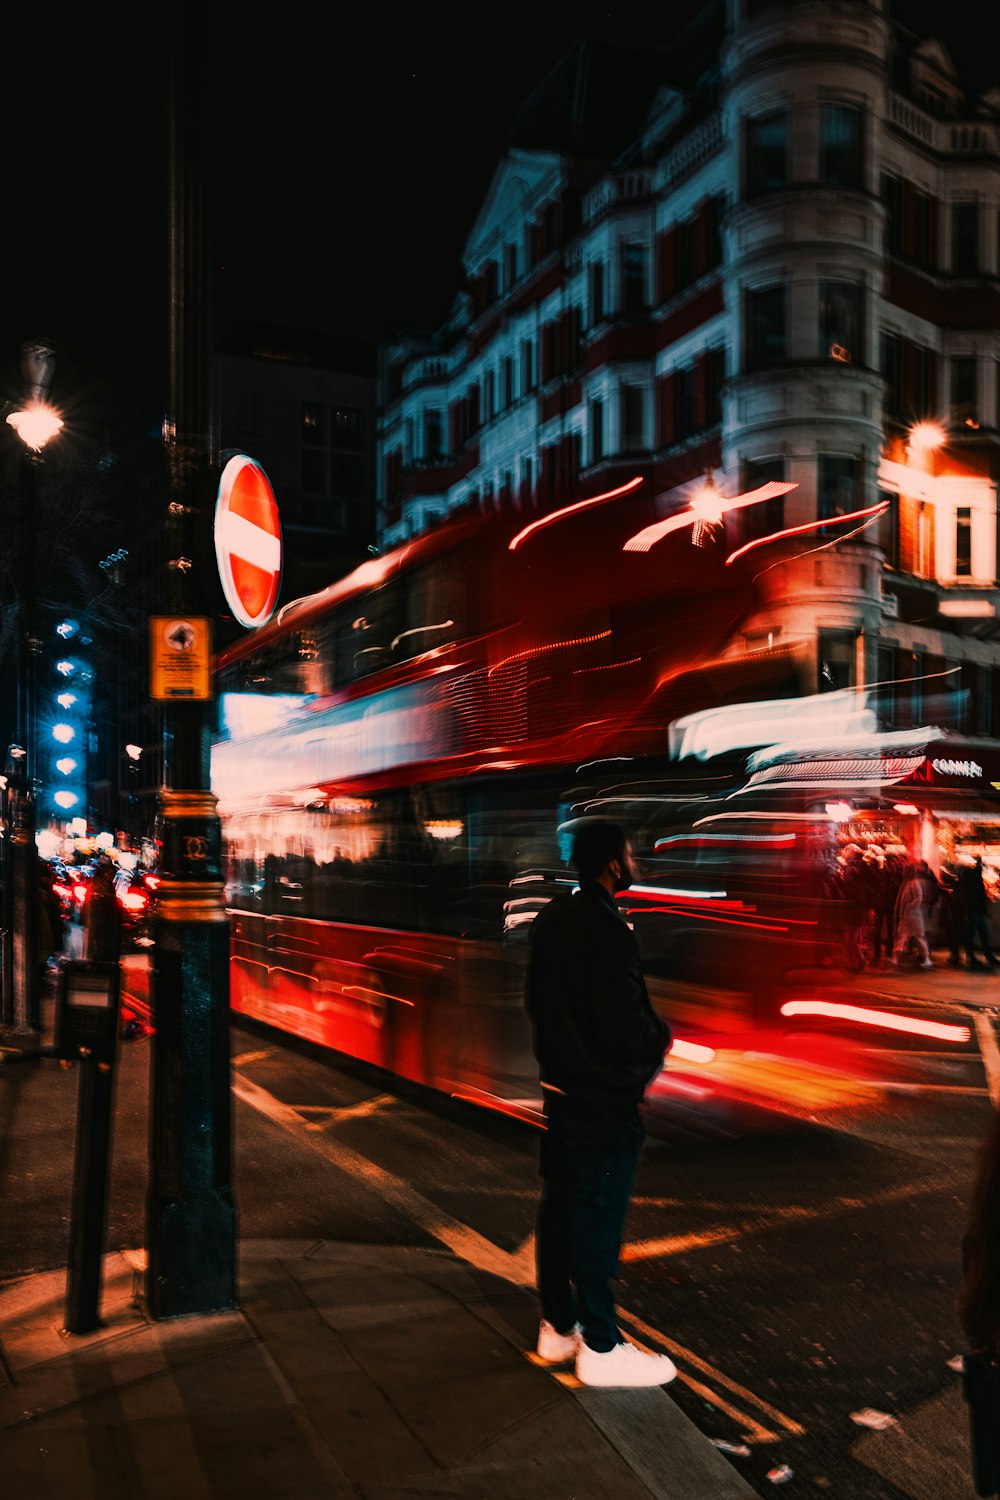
789	270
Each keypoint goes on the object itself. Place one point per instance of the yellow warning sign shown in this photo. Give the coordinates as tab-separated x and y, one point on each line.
180	658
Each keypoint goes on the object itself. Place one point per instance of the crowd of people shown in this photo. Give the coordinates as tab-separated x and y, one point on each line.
885	904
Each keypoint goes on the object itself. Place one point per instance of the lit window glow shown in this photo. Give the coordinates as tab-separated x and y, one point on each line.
64	733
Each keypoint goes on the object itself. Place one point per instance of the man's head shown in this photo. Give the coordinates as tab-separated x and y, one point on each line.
602	852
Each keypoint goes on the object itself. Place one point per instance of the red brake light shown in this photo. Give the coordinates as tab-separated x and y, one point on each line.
80	892
133	900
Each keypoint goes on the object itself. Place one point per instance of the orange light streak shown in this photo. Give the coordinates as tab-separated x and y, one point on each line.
941	1031
650	535
569	510
775	536
691	1051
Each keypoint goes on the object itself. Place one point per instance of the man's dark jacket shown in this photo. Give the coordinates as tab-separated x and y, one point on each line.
597	1038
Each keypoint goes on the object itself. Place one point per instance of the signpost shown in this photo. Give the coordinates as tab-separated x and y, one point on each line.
248	541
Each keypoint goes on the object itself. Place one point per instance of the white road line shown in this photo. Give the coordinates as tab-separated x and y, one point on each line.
249	1057
517	1267
990	1054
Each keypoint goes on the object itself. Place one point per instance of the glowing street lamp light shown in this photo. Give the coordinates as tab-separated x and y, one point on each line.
35	425
926	436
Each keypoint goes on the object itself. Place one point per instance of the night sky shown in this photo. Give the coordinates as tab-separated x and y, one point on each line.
359	142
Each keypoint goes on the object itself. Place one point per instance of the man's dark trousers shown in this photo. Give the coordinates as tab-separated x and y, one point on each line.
588	1162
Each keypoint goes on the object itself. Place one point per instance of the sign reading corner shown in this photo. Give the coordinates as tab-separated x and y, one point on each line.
248	541
180	658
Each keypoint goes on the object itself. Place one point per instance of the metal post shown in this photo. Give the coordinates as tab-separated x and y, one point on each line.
90	1195
24	855
191	1219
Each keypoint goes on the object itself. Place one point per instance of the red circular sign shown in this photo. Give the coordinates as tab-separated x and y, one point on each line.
248	541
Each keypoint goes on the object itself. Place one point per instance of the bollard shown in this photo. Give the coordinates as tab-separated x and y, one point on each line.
87	1015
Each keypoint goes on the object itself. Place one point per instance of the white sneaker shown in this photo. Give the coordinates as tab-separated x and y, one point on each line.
927	963
623	1366
554	1347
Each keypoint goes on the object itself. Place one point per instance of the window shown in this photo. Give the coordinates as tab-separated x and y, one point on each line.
767	154
887	527
891	370
489	396
924	229
891	193
840	163
965	238
767	516
917	667
964	391
836	655
923	558
346	474
509	266
633	278
765	327
839	483
508	381
345	427
963	542
683	403
527	366
888	671
632	423
924	392
432	436
312	422
715	379
596	298
312	472
684	254
596	422
840	321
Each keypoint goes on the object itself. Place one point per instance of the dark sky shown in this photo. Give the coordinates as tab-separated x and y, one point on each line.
359	143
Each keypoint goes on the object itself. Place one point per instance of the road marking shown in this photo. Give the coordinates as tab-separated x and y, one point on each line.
680	1244
517	1267
325	1115
990	1054
759	1434
249	1057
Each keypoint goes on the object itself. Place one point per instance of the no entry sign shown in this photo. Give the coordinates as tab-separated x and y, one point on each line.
248	541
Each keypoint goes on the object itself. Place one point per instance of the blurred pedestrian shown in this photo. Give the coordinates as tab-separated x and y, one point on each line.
911	918
953	913
48	924
599	1043
885	884
976	906
980	1314
102	914
856	909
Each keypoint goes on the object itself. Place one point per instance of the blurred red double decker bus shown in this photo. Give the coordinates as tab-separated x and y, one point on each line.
392	761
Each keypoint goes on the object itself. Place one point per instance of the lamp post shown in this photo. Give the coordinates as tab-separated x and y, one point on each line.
35	424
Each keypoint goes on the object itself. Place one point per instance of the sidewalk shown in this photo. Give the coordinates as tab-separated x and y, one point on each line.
349	1373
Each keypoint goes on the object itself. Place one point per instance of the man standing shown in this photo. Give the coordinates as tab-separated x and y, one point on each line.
598	1042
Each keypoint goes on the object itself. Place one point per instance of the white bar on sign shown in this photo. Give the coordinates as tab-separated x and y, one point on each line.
242	539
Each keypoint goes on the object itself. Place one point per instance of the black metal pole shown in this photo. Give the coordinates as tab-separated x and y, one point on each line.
191	1218
24	855
88	1213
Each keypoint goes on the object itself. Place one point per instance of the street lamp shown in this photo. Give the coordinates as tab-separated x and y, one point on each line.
35	424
